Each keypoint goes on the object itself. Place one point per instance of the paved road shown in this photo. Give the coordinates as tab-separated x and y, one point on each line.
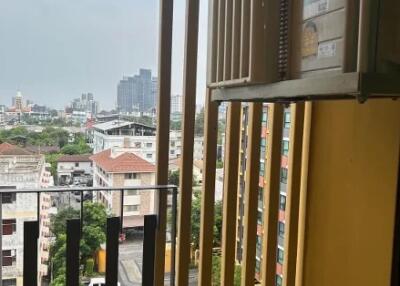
130	265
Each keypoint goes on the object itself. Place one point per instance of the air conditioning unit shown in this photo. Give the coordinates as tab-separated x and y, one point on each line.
302	49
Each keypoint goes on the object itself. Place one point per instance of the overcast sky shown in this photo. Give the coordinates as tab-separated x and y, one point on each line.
54	50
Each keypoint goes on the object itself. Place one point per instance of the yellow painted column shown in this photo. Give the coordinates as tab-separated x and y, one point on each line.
351	194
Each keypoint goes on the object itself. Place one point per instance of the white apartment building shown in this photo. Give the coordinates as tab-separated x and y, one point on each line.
198	148
21	170
119	168
73	168
141	139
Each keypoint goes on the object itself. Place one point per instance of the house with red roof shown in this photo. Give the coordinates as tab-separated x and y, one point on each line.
119	168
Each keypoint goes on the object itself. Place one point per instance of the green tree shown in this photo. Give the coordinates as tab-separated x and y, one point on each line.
216	272
93	235
58	222
173	178
196	216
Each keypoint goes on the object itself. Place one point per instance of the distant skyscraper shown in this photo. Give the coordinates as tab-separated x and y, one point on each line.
176	103
18	101
137	93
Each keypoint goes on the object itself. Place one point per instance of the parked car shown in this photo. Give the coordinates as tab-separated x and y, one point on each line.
99	282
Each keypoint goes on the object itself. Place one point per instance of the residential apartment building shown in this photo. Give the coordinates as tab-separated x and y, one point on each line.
119	168
176	107
74	168
140	138
262	184
137	93
21	169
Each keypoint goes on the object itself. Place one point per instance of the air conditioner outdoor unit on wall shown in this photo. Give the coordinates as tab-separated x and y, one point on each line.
253	42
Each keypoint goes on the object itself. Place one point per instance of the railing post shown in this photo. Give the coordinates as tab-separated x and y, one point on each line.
121	211
31	235
82	214
72	264
113	228
173	234
149	239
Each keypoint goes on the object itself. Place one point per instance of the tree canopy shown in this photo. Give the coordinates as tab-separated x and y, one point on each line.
93	235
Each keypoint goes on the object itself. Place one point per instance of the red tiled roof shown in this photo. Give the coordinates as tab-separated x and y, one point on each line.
124	163
75	158
9	149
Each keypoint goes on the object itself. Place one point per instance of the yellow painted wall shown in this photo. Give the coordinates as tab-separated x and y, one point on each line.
354	156
101	258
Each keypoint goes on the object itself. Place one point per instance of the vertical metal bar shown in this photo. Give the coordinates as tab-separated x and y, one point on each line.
150	225
245	39
72	263
208	191
113	228
212	51
82	210
173	234
186	184
251	194
231	172
271	194
236	26
163	124
31	235
228	40
293	193
121	211
221	40
38	206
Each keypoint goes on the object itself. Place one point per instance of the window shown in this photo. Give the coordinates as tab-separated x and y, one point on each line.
281	229
262	169
285	147
263	142
77	164
149	145
133	208
130	176
260	197
10	282
282	202
264	117
284	173
9	257
278	280
286	122
149	156
280	256
9	198
138	145
9	226
259	218
131	193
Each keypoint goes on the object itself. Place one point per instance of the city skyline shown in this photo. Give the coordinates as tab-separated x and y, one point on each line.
89	47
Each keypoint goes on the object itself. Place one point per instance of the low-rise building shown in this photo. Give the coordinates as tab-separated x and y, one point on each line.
74	168
119	168
20	169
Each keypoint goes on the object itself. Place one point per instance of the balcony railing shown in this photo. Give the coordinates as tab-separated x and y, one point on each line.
114	232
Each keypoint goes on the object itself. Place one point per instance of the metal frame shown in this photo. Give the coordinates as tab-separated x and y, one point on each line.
361	86
75	227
